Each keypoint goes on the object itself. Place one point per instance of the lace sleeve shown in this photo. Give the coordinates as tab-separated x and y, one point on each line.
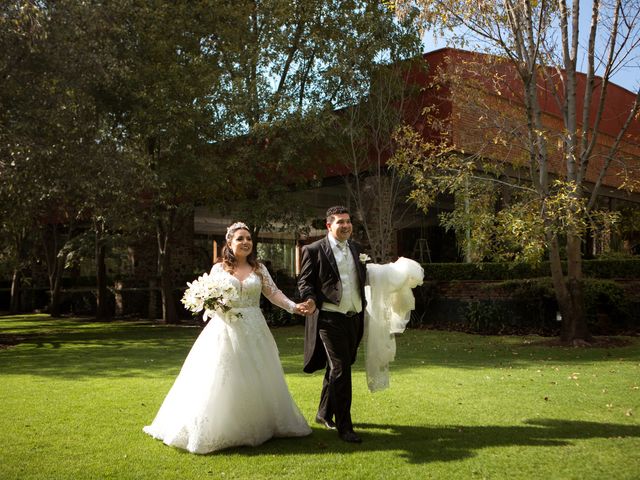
217	267
273	293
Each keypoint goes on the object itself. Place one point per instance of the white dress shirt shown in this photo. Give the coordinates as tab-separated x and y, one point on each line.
350	300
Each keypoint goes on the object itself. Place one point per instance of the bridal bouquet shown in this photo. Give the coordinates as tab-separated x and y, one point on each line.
211	294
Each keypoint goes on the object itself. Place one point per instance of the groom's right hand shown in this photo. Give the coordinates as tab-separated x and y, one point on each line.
310	306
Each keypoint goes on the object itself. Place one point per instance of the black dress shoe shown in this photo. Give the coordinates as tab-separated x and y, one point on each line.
330	424
350	437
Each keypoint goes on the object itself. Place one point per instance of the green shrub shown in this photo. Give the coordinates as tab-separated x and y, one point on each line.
482	271
489	318
607	305
527	306
618	268
614	268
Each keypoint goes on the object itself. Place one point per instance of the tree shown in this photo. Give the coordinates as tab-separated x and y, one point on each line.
45	123
168	108
113	213
540	45
20	29
168	87
300	63
379	191
67	166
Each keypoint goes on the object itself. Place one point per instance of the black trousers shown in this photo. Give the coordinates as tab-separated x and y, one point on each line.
339	337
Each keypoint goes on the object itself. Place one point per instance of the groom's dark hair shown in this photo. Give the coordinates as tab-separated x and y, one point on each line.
336	210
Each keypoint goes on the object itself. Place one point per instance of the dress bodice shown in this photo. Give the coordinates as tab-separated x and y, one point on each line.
250	288
249	291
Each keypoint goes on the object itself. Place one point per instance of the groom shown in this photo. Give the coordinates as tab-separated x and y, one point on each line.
331	282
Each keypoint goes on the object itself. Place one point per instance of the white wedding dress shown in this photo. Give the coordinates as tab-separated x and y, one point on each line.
231	390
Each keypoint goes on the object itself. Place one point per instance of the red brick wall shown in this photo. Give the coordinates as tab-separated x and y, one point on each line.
475	79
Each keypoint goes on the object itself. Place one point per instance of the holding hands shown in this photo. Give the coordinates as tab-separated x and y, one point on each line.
305	308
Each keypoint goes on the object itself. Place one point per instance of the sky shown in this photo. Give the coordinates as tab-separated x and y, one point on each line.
628	78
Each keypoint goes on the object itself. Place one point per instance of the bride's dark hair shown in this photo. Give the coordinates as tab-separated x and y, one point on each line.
229	261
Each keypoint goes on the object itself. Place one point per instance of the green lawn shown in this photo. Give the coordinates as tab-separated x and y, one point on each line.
75	394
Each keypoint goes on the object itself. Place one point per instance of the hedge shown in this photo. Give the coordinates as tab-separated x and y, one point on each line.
603	269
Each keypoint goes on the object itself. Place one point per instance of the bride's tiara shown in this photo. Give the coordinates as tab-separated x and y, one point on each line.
233	227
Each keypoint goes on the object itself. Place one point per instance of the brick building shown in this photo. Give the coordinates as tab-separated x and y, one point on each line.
471	129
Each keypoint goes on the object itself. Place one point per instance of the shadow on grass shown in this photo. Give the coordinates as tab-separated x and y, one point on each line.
76	348
73	349
423	444
80	348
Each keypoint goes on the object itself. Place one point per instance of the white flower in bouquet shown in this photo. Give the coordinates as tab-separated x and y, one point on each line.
211	294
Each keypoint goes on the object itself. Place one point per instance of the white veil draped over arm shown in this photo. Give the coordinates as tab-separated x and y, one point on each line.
389	304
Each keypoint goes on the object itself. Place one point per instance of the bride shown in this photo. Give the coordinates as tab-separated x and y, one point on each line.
231	390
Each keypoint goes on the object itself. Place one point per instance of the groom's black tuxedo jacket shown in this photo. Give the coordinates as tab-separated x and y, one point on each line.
319	279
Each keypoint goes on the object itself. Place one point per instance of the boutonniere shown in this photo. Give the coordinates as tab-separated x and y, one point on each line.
364	258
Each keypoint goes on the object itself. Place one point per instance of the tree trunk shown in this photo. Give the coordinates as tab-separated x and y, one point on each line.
16	290
575	330
169	314
55	258
569	292
16	303
102	309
